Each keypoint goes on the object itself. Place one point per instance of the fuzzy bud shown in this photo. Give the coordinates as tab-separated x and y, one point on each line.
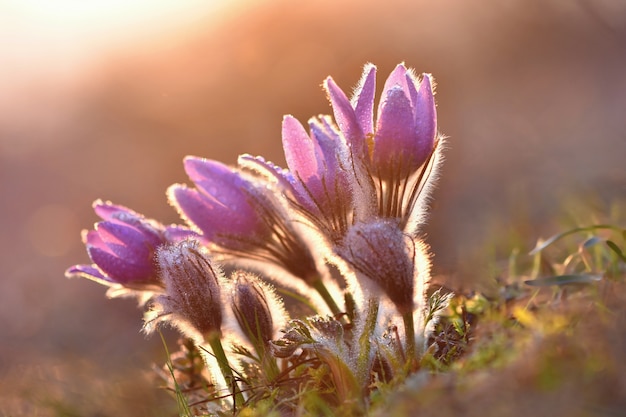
382	253
251	309
192	293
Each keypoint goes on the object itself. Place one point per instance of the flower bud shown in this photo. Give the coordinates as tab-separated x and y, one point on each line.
250	304
382	253
192	294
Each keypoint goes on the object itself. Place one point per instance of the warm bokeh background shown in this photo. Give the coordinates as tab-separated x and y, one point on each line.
103	101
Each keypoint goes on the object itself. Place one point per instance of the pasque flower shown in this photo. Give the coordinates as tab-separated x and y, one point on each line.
242	218
238	218
353	195
393	155
322	179
390	259
122	247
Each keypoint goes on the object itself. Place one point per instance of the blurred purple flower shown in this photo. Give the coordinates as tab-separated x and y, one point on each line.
122	248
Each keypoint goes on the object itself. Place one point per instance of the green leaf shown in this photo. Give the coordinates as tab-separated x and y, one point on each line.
564	280
616	249
554	238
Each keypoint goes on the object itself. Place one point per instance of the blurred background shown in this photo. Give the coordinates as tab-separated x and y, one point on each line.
104	99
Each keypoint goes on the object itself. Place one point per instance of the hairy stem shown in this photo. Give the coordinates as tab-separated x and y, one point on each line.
409	335
365	342
227	372
319	286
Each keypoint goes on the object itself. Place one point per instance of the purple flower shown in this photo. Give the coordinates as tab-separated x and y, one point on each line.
122	248
406	128
392	157
322	185
219	206
382	253
241	217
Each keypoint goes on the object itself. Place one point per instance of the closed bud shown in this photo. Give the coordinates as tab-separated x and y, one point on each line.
192	294
253	303
382	253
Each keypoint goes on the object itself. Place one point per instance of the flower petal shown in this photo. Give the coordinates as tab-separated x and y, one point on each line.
90	272
303	154
363	99
345	115
267	169
126	242
395	135
120	270
425	116
210	216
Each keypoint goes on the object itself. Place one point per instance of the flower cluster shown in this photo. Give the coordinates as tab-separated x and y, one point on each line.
338	231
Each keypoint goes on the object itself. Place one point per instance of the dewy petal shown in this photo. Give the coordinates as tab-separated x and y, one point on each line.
107	210
303	155
333	150
345	115
223	188
113	213
425	116
108	247
175	233
120	270
363	99
267	170
397	78
89	272
125	241
211	217
395	137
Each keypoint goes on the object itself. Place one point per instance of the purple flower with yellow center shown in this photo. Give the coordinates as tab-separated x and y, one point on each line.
122	247
396	152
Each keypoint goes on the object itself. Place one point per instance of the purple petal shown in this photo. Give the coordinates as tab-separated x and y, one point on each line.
303	155
363	100
345	115
395	134
397	78
329	144
119	269
175	233
425	116
107	210
88	271
222	187
126	242
212	217
267	169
